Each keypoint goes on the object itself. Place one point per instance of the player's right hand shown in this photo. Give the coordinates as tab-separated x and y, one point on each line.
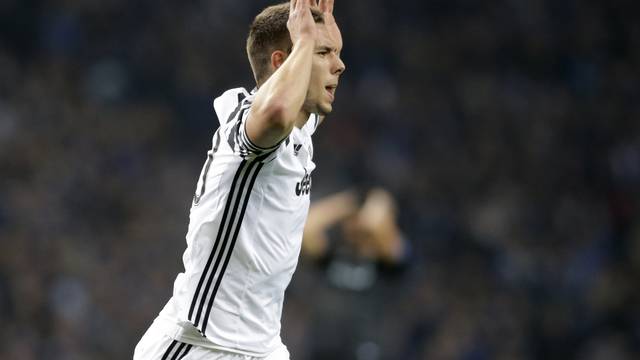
326	6
301	24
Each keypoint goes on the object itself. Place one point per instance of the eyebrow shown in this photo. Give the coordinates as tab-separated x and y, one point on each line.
327	48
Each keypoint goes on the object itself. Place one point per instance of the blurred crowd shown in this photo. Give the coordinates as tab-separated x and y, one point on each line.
508	133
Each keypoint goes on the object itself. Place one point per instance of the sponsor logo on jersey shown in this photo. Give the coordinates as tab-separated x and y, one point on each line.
303	187
296	149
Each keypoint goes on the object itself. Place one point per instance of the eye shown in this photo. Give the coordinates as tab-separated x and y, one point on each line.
323	52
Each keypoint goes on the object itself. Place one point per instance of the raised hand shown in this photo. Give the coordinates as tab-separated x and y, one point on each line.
301	24
375	229
326	6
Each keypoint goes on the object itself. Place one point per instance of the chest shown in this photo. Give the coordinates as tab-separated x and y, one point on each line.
289	178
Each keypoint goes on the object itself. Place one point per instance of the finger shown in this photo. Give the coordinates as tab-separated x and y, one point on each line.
326	6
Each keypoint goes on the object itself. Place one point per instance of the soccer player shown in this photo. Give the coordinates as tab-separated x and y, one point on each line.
252	198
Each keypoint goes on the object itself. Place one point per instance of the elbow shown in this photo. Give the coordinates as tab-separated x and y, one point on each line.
279	117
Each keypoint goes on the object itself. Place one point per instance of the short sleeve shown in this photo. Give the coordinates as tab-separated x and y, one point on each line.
236	134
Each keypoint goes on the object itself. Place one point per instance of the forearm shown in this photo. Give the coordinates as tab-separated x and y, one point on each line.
323	214
332	209
280	99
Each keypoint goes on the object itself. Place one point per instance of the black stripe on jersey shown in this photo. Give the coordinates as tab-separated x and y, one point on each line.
235	111
233	115
250	146
241	96
245	202
231	139
233	134
246	168
166	353
248	149
177	353
216	243
229	219
224	249
185	352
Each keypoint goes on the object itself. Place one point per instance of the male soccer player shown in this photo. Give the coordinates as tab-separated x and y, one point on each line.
252	199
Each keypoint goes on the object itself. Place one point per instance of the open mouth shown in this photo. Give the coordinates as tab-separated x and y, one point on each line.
331	89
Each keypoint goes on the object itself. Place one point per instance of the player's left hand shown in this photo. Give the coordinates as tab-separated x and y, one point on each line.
326	6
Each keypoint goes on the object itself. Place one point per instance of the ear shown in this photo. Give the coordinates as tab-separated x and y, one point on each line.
277	59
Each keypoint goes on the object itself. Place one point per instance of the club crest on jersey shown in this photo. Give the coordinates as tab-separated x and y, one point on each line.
296	149
303	187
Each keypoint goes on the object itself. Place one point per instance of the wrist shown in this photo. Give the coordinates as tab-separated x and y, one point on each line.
303	41
305	44
304	38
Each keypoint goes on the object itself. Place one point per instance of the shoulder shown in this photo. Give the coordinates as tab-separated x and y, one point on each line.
230	98
227	105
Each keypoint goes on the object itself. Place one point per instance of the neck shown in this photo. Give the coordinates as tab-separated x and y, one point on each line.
303	116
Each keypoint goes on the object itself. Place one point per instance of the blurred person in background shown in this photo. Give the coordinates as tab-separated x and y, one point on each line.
240	256
355	240
369	230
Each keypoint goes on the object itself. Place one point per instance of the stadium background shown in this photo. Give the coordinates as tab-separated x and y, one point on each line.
508	131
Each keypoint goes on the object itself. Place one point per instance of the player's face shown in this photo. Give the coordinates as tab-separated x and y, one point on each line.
325	72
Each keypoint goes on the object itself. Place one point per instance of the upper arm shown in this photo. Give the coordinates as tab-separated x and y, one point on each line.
234	131
263	126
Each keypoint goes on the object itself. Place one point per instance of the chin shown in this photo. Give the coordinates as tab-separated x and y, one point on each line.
317	107
324	109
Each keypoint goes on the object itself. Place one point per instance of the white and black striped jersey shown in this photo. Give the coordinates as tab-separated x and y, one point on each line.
244	236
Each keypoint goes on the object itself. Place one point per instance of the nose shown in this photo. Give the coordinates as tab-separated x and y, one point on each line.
339	66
